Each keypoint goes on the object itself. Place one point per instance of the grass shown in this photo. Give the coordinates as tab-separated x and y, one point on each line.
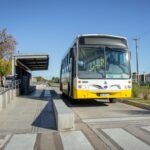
144	101
143	90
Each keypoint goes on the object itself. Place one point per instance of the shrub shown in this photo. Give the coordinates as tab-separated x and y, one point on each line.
135	90
146	93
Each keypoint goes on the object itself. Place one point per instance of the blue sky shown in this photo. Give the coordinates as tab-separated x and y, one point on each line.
50	26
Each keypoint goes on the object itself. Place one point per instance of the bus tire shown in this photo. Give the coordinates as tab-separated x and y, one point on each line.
112	100
72	101
63	95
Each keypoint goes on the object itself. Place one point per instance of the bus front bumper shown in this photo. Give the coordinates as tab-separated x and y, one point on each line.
87	94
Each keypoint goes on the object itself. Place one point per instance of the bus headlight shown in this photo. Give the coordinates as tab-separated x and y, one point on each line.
129	86
79	86
82	86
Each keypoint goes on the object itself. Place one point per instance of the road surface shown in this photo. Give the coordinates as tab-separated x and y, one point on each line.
29	123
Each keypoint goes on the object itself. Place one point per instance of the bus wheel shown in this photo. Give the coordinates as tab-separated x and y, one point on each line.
63	95
112	100
72	101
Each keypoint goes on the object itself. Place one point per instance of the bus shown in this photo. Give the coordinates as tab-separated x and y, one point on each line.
96	67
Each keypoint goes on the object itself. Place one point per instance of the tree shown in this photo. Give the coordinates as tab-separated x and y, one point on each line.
40	79
55	79
5	69
7	47
7	44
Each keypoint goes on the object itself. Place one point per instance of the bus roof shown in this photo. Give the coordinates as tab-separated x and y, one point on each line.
101	35
96	35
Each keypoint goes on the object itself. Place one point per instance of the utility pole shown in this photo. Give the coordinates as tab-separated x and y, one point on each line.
137	63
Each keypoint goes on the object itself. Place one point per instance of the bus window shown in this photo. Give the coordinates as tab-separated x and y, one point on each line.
91	63
117	64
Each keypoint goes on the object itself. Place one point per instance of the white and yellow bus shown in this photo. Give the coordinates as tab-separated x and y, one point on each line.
96	67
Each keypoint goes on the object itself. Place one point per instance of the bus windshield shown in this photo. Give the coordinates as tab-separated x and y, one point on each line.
103	62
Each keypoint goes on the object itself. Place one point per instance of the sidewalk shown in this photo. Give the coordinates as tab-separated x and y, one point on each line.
30	124
27	115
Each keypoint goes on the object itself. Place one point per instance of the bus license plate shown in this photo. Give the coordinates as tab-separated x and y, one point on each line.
104	94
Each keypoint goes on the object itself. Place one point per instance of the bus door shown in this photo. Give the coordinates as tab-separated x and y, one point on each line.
70	78
71	72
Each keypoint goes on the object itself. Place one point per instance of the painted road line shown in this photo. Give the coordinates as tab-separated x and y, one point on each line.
146	128
21	142
75	140
126	140
115	119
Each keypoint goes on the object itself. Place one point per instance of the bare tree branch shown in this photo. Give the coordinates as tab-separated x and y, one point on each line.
7	44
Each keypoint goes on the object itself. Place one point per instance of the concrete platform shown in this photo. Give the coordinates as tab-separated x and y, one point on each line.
28	114
64	116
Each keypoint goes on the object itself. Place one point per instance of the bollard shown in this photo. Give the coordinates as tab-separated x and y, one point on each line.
11	94
17	87
17	91
14	93
8	94
6	97
2	100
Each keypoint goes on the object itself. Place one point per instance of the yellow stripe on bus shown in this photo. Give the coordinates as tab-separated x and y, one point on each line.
81	94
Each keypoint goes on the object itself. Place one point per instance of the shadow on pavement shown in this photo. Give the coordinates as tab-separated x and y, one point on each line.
85	103
46	118
34	97
55	95
82	103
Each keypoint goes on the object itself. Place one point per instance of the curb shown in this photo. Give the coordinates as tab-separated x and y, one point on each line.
136	104
65	119
6	140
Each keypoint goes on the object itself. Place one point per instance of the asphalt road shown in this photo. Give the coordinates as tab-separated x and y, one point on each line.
118	125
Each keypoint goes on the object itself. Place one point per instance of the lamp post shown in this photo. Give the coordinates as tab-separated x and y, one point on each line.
137	63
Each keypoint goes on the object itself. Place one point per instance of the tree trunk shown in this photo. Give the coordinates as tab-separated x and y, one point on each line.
1	78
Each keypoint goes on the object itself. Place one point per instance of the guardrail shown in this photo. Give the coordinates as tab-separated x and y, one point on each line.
7	95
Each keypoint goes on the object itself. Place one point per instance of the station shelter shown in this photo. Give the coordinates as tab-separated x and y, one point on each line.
22	67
